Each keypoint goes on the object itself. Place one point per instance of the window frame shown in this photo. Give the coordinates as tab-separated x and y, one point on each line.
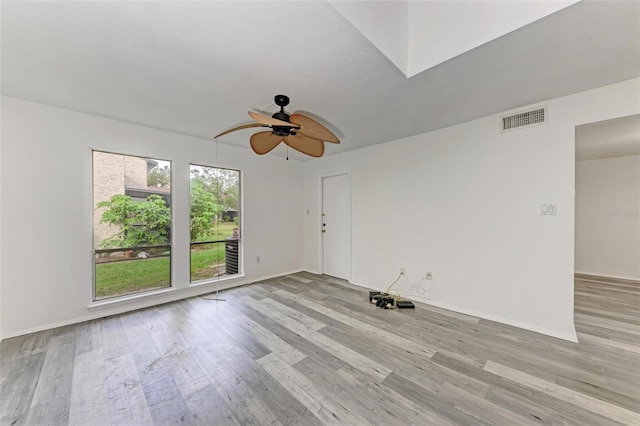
170	244
240	272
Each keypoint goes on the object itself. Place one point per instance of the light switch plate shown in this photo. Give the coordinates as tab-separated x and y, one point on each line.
548	209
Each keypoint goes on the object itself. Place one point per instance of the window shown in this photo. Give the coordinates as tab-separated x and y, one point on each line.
131	224
214	222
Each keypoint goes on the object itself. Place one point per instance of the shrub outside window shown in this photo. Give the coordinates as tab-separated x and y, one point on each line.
131	224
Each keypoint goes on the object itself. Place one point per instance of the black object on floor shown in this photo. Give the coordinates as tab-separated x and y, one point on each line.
375	293
405	304
386	302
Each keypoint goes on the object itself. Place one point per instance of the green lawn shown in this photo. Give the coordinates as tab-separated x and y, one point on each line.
131	276
204	261
224	230
205	258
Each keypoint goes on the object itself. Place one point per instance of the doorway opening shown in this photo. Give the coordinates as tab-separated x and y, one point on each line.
607	232
607	199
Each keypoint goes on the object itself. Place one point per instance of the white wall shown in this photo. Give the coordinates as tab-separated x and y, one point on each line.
417	35
464	203
467	201
383	23
0	224
432	40
607	217
47	211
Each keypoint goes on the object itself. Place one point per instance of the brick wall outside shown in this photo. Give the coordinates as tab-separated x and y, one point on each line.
111	173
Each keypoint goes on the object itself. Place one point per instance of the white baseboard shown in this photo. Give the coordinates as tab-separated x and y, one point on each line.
116	307
571	337
603	275
199	289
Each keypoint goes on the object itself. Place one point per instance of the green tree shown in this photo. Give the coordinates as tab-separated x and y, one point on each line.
223	183
230	197
139	222
159	176
204	209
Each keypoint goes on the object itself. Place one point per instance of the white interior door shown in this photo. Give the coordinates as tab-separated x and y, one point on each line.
336	226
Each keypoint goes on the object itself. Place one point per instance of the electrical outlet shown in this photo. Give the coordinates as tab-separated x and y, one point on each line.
401	271
258	259
429	275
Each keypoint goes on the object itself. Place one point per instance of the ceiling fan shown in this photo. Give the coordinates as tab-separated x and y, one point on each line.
298	131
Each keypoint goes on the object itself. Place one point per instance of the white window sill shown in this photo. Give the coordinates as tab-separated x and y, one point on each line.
189	291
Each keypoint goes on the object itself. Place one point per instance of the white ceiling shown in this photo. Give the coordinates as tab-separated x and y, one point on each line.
196	68
619	137
417	35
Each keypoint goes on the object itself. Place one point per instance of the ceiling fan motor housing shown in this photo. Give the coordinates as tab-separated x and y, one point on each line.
281	101
281	115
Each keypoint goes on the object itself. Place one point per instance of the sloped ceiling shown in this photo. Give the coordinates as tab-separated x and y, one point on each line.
619	137
418	35
196	68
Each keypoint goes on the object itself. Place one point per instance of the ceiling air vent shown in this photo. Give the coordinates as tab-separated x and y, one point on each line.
523	119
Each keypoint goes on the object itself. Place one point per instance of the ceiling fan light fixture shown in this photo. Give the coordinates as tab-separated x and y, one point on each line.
282	130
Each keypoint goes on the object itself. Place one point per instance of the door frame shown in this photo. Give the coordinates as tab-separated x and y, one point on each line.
321	209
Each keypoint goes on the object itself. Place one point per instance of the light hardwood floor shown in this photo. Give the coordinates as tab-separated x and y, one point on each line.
309	350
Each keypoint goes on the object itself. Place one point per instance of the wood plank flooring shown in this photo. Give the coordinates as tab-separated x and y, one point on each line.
309	350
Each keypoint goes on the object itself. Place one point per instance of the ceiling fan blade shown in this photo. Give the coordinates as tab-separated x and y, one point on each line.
269	121
306	145
311	128
263	142
244	126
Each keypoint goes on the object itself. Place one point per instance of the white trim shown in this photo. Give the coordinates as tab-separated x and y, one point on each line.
599	274
571	337
147	300
172	244
132	298
349	213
